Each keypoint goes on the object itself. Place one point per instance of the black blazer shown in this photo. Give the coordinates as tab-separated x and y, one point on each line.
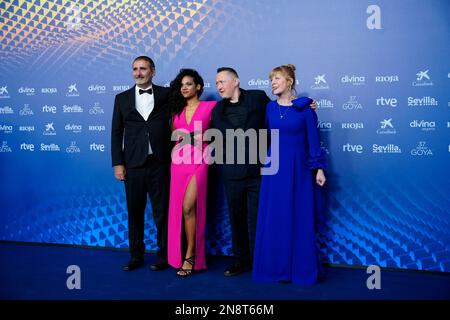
256	101
130	133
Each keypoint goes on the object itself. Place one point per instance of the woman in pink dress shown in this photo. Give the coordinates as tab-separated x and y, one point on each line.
189	173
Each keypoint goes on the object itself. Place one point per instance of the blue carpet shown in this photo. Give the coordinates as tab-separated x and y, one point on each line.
38	272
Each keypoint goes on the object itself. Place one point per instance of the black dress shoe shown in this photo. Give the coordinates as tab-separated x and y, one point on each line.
236	269
132	265
159	265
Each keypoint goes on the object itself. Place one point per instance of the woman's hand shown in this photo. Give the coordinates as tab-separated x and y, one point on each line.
320	178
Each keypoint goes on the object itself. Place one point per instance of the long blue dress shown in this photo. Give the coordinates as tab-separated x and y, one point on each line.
285	247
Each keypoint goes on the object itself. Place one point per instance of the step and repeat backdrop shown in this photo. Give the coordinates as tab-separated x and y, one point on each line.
380	71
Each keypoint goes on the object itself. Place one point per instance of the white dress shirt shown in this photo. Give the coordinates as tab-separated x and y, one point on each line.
144	105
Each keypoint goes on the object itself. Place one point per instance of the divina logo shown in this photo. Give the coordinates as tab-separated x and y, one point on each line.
354	80
27	91
97	88
324	104
387	79
74	128
6	128
425	101
389	148
324	126
422	79
423	125
260	83
320	83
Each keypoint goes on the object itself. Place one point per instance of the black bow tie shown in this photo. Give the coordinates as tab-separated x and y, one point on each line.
149	91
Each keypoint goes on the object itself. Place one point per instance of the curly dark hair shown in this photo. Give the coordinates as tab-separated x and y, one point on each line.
176	100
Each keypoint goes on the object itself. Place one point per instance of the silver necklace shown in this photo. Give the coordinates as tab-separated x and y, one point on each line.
283	114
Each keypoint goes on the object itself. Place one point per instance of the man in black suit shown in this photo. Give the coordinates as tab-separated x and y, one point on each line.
140	149
240	109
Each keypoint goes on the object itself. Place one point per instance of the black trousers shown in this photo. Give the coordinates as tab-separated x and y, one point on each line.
153	179
242	199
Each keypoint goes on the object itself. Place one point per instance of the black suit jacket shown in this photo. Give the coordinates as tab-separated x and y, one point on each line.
130	133
256	101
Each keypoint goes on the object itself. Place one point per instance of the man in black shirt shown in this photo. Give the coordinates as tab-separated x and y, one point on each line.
240	110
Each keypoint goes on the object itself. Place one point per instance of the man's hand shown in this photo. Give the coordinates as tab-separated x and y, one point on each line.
119	172
313	105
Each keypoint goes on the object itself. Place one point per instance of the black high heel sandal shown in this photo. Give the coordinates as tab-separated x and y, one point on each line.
187	272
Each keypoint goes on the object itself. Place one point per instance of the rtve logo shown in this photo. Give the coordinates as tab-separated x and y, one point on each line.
27	147
390	102
97	147
352	148
49	109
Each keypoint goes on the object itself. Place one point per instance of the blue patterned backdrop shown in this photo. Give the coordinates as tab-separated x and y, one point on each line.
379	70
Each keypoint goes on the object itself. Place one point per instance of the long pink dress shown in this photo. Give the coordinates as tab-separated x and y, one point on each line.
189	161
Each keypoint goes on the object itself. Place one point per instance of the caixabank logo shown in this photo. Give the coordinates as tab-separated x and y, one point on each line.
72	91
423	79
386	127
4	94
320	83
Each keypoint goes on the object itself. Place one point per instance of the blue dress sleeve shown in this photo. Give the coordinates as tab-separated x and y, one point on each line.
316	156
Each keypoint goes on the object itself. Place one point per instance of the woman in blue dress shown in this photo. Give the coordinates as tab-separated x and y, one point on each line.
285	245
